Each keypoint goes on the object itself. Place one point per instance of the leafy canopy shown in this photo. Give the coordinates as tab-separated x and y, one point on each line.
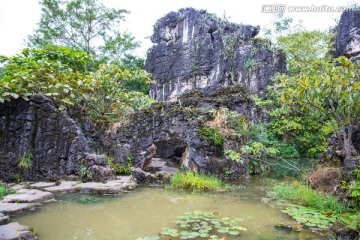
86	25
302	49
61	73
328	91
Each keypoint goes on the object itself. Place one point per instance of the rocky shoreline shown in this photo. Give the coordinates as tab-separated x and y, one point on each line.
32	195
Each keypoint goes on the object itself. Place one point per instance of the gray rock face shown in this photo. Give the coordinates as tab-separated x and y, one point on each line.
49	137
170	131
196	50
348	35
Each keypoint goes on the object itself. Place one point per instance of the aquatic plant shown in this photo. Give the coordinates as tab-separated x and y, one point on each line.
209	225
193	181
309	216
88	199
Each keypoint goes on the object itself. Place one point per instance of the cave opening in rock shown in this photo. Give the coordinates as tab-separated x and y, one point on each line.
169	155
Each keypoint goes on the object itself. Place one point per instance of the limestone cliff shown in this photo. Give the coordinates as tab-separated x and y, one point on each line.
196	50
54	143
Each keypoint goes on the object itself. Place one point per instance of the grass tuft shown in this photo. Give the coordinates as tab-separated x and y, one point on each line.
303	195
192	181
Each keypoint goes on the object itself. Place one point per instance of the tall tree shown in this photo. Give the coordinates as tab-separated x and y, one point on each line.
329	91
86	25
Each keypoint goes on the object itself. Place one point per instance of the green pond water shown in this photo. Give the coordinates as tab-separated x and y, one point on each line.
146	210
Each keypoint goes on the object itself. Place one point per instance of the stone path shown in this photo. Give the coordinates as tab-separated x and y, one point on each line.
30	196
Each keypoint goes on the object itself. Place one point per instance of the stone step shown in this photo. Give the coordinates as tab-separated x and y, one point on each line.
28	196
14	208
64	187
42	185
15	231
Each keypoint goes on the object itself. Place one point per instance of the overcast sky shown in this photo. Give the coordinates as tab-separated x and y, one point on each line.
18	18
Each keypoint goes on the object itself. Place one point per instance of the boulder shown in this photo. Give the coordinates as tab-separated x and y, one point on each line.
143	177
327	180
197	50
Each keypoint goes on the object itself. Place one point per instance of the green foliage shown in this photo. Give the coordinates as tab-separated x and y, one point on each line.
193	181
301	194
233	156
86	25
355	188
118	168
201	224
266	138
329	92
5	191
250	64
60	73
352	219
85	173
42	71
26	162
111	98
302	49
212	134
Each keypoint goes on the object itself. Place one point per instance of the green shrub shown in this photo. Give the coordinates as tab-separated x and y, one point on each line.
118	168
301	194
5	191
85	173
212	134
193	181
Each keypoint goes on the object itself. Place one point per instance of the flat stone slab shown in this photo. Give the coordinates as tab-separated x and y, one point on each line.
42	185
18	186
65	186
15	231
28	196
111	187
13	208
4	219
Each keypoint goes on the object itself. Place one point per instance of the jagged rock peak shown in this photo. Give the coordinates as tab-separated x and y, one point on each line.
348	35
197	50
196	23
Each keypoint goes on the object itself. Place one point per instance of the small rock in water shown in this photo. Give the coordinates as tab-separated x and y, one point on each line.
291	226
